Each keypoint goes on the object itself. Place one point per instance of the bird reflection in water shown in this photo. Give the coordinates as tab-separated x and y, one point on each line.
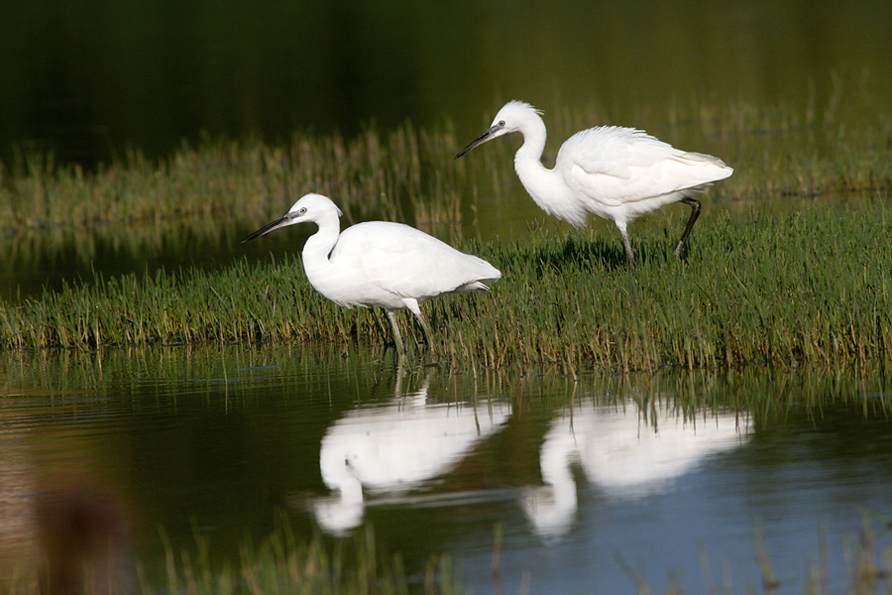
397	448
624	452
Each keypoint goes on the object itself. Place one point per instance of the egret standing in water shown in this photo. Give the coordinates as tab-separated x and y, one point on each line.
615	173
379	263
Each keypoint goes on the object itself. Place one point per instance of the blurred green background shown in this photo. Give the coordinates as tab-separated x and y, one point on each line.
90	78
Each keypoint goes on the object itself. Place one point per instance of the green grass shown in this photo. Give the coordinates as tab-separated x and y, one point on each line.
809	284
779	274
282	564
409	174
392	175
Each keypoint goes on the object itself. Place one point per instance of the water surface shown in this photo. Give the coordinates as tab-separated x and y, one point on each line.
682	477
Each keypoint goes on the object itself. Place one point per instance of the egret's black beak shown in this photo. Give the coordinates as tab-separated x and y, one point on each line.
488	135
268	228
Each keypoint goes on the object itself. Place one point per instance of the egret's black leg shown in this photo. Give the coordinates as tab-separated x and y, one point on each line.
695	212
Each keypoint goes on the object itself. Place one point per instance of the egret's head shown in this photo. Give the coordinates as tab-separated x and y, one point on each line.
310	207
511	118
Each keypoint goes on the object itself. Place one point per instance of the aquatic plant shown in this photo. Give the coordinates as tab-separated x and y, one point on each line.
808	284
781	273
285	563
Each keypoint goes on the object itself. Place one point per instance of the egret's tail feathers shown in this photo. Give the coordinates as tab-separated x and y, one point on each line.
720	169
476	286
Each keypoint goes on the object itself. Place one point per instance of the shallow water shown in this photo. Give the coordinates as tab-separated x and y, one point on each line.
672	475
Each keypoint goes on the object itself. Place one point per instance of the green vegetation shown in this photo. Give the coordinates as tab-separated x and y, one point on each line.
409	174
800	277
376	173
809	284
282	563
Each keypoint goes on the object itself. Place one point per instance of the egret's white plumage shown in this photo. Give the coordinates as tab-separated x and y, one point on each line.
380	263
615	173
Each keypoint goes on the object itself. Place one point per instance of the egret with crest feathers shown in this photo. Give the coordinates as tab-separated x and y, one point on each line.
615	173
380	263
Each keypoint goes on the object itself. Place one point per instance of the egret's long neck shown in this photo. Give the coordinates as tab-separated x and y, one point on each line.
544	185
529	155
534	176
317	249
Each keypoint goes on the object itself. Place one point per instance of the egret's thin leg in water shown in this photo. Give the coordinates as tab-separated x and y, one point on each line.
396	331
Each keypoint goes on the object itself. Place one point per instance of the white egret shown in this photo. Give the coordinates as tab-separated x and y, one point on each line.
615	173
380	263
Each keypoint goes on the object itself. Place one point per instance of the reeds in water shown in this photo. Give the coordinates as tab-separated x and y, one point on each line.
782	274
809	284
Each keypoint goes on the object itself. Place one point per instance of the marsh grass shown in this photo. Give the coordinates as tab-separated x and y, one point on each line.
281	563
811	284
284	564
409	174
50	210
799	277
394	175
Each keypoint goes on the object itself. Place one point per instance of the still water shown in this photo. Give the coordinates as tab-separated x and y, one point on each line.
673	477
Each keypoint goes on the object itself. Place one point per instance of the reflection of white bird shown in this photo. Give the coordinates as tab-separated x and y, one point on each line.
396	448
615	173
337	514
624	453
379	263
